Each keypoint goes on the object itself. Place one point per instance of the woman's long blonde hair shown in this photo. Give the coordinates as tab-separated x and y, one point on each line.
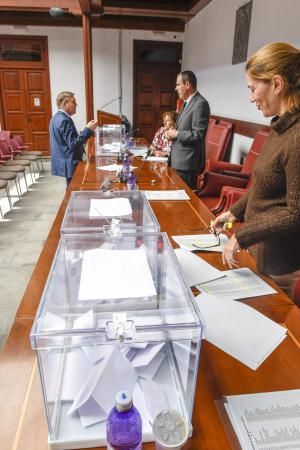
282	59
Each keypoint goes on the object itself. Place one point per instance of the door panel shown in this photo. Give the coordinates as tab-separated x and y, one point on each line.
14	103
25	105
154	84
25	93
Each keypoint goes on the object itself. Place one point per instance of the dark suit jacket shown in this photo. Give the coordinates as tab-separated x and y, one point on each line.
66	144
188	149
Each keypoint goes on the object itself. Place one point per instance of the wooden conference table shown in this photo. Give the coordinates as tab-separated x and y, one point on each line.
22	417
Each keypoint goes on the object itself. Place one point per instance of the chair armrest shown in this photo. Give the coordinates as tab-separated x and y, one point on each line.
218	166
231	173
212	183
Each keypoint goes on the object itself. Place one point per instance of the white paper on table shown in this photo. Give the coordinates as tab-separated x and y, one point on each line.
157	158
110	207
195	269
52	322
139	151
266	420
150	370
117	374
179	194
114	167
154	395
239	330
98	275
238	284
110	167
67	373
91	413
205	241
144	356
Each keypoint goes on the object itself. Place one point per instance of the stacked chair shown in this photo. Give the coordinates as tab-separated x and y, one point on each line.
223	183
24	152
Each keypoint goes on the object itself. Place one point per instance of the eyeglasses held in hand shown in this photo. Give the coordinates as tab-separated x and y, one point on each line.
216	243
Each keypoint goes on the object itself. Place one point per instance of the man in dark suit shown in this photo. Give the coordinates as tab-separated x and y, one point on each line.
188	137
65	142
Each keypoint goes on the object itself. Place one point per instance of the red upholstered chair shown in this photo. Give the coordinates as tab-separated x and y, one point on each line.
217	139
220	173
229	195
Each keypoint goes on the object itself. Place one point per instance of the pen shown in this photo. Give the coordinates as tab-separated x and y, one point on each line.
228	225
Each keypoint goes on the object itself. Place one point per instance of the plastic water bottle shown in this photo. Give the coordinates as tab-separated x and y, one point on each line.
125	169
124	425
131	184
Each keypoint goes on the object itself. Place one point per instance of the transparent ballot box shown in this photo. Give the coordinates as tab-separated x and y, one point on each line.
110	139
90	211
115	314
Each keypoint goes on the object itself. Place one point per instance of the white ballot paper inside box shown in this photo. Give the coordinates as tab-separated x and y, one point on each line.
239	330
109	207
99	266
195	269
238	284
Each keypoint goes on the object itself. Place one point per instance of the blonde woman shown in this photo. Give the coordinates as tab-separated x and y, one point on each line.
270	210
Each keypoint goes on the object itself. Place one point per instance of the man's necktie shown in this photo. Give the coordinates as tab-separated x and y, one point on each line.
183	106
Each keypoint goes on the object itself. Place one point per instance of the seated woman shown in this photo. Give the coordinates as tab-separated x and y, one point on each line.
161	146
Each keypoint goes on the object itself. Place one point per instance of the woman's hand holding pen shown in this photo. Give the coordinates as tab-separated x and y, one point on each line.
222	223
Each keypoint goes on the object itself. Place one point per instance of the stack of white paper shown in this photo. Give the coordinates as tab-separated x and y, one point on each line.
98	279
157	158
167	195
266	421
201	242
195	269
239	330
238	284
109	207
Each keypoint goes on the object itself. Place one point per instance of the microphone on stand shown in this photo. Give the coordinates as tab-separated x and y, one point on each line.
142	165
111	101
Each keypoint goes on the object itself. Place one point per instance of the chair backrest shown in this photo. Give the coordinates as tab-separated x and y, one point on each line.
254	151
5	150
18	139
4	135
217	139
14	145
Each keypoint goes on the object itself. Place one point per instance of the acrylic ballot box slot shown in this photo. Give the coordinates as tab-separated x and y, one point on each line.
90	211
115	314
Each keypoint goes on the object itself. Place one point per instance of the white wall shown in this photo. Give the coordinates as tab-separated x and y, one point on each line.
208	44
66	64
105	60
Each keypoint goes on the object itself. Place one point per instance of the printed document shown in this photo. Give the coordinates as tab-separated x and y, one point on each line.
179	194
195	269
238	284
266	421
201	242
239	330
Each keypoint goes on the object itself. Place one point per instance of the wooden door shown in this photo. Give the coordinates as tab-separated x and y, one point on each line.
156	67
25	93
